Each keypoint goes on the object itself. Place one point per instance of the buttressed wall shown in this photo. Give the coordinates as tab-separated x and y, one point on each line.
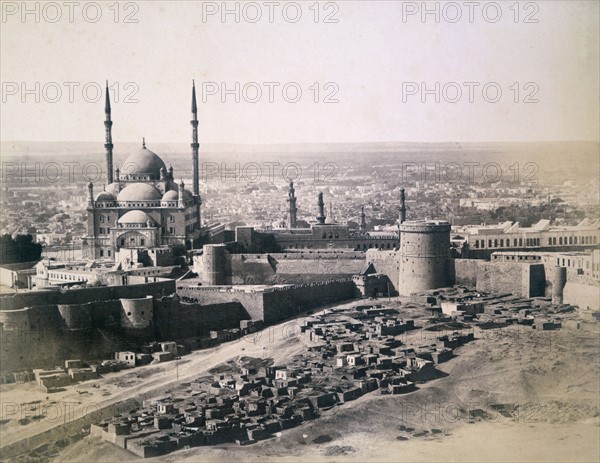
43	335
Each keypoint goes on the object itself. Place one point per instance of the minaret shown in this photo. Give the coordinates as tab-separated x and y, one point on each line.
321	204
90	198
292	207
363	224
402	207
181	202
108	145
195	146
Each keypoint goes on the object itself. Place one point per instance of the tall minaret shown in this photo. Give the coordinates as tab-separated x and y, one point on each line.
321	204
90	195
108	145
363	224
402	207
181	197
195	146
292	208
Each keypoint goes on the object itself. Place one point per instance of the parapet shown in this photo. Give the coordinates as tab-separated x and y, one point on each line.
425	226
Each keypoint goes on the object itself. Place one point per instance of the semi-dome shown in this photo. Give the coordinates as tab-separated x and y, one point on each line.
144	162
135	216
104	196
112	188
171	195
139	192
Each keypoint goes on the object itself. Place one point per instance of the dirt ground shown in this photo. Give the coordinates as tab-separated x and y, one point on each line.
510	395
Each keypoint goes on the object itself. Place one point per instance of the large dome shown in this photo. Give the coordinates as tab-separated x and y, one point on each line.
144	162
138	217
139	192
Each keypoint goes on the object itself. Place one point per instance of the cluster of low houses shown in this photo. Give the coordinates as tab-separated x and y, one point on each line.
348	355
506	309
350	352
76	370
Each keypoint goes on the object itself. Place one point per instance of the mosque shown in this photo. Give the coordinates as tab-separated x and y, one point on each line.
143	214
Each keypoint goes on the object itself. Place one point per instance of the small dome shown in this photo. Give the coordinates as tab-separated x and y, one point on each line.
170	195
135	216
104	196
142	162
187	194
139	192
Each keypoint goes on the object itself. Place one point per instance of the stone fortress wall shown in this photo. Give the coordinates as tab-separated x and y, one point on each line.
56	329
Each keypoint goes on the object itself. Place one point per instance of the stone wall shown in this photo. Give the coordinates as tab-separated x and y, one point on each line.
272	304
83	295
386	262
465	271
584	295
525	280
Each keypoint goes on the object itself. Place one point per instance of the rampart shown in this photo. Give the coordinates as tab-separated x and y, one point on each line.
271	304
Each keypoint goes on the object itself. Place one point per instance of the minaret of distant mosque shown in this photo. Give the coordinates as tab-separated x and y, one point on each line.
195	147
108	144
402	207
321	217
363	224
292	210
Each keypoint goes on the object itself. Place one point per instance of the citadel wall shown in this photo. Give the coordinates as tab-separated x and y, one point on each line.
47	334
276	303
279	268
386	262
522	279
83	295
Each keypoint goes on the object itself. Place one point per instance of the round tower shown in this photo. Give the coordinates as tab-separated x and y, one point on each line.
214	259
558	284
424	247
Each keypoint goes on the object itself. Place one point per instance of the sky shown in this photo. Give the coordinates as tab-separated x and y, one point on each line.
366	71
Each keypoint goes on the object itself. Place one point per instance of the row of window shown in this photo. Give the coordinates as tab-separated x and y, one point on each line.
357	248
66	276
108	219
519	242
572	240
502	243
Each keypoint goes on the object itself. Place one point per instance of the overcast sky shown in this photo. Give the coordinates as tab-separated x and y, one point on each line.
369	57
